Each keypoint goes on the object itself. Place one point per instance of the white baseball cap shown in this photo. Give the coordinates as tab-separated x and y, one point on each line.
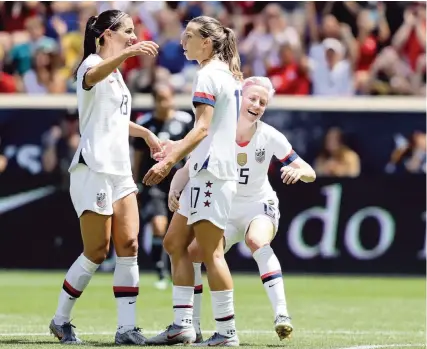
334	45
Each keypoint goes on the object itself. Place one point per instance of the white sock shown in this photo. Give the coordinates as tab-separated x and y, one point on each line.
198	291
76	280
183	297
126	289
223	310
271	277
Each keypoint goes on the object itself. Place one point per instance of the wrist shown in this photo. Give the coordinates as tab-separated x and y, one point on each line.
126	54
170	161
145	133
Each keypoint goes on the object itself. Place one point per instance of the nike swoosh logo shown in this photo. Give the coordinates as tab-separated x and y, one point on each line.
193	213
176	335
273	284
11	202
132	302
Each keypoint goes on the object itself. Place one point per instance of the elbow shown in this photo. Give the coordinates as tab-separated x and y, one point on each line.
203	132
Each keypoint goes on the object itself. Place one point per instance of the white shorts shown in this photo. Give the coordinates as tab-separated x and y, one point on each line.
244	212
96	192
206	197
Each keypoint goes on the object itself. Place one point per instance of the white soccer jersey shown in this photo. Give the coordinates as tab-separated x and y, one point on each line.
216	86
104	114
253	160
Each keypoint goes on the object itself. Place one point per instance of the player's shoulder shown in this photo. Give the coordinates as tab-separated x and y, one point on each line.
144	119
269	131
90	61
183	117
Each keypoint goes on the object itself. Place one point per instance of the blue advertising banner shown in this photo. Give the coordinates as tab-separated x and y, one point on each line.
371	224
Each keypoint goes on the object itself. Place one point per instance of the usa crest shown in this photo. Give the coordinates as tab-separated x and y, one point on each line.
101	199
242	159
260	155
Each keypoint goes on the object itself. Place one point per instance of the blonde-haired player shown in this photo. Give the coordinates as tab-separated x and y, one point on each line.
254	216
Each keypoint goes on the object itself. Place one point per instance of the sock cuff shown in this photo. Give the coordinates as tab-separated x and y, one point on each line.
127	260
182	288
264	250
225	293
87	265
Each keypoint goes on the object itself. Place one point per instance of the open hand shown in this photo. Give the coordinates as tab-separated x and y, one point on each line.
290	175
157	173
148	48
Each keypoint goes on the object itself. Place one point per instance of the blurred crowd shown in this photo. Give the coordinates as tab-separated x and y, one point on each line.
320	48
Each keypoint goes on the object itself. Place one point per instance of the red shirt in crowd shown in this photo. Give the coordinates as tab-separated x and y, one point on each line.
7	83
289	80
367	52
413	48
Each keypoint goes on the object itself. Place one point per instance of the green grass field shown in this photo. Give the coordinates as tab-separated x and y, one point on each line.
328	312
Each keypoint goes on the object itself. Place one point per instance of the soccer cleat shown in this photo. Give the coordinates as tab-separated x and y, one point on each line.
64	333
218	340
133	336
283	326
174	334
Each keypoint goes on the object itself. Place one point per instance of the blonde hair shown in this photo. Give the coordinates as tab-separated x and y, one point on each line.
260	81
224	42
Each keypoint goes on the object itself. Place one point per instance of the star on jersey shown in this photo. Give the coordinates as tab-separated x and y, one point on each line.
209	184
208	194
207	203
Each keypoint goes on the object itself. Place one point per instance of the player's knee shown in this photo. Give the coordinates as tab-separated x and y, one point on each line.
195	253
129	247
254	243
96	254
216	257
171	246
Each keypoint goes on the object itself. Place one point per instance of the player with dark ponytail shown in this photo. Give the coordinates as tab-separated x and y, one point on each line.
101	186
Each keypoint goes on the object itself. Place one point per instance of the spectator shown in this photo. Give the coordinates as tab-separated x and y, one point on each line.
60	143
409	156
170	52
8	83
418	80
270	31
331	73
336	159
272	36
44	76
410	39
21	55
290	76
13	14
389	75
371	36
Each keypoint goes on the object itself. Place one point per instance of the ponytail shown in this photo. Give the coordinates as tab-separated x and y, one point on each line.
231	53
89	42
224	42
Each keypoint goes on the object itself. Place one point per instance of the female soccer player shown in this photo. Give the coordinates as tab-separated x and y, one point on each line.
254	217
216	100
101	185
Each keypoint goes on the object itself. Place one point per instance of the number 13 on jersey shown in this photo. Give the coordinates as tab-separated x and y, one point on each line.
238	95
